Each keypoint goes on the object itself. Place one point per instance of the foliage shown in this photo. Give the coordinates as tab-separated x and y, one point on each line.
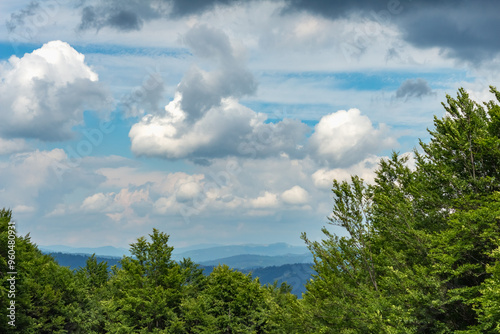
421	250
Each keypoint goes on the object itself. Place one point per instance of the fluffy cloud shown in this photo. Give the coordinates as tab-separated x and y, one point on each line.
45	92
345	137
230	129
35	179
205	119
295	195
12	146
187	191
98	202
267	200
114	202
365	169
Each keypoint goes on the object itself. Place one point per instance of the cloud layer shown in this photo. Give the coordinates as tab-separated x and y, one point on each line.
462	30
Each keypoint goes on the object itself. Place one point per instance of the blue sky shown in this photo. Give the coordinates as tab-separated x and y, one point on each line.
220	122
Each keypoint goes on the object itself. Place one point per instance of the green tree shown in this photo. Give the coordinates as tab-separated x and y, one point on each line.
420	251
231	302
46	297
464	155
145	294
344	296
91	280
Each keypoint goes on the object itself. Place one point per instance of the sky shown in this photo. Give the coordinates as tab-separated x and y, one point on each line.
219	121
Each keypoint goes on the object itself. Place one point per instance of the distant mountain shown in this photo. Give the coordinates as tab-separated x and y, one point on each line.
296	275
250	261
219	252
75	261
197	253
178	250
102	251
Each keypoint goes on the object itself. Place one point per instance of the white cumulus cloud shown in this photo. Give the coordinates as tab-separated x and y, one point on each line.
97	202
346	137
267	200
230	129
295	195
365	169
44	93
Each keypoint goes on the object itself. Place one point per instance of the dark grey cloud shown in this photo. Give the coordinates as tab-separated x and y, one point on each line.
183	7
465	30
144	98
120	19
203	90
128	15
121	15
335	8
413	88
19	18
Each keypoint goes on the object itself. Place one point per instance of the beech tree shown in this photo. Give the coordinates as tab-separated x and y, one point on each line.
421	251
146	292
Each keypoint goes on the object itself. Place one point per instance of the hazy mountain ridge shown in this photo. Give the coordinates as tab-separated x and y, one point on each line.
75	261
296	275
222	252
250	261
98	251
197	253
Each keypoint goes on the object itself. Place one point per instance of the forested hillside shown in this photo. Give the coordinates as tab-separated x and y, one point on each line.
421	255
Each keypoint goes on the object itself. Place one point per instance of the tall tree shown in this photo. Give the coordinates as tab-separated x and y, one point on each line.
145	294
47	299
419	255
232	302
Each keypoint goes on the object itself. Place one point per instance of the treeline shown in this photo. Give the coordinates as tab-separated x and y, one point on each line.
421	255
149	293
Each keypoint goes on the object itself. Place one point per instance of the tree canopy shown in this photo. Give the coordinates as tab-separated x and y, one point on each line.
422	246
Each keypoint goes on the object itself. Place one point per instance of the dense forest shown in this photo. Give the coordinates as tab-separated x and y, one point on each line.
421	254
